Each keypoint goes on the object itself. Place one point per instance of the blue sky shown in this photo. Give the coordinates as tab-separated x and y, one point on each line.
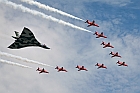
118	19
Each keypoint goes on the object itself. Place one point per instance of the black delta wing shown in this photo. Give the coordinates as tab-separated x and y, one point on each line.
26	39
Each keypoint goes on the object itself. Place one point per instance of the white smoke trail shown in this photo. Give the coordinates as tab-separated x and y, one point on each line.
13	63
40	14
46	7
22	59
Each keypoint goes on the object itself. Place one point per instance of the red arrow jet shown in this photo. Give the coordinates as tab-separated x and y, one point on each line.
100	66
42	70
99	35
121	63
91	23
106	45
81	68
115	54
61	69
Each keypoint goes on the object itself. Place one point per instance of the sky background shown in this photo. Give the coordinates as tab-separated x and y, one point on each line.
118	19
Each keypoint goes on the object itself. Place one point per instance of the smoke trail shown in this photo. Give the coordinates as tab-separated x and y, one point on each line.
23	59
46	7
40	14
13	63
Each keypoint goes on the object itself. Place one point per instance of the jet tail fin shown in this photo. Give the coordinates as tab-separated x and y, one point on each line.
17	35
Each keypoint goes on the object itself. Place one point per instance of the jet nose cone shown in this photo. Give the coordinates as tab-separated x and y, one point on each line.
48	48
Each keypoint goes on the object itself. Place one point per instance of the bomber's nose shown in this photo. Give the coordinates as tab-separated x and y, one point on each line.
48	48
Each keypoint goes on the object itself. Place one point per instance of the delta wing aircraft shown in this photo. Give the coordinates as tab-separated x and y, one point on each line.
26	39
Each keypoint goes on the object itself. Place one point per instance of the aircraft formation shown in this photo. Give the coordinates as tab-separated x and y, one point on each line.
27	39
98	35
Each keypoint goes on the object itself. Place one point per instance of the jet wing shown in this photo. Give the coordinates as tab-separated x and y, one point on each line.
102	65
123	63
26	39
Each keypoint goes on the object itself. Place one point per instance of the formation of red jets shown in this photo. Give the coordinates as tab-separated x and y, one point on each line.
61	69
98	35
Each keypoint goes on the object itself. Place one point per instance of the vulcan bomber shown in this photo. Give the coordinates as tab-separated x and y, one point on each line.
26	39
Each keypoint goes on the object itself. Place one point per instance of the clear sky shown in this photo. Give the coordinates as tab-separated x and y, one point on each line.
118	19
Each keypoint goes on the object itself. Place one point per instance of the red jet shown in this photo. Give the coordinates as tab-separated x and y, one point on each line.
99	35
106	45
42	70
91	23
115	54
100	66
61	69
121	63
81	68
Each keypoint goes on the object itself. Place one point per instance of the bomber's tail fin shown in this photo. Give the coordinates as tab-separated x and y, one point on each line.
17	35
